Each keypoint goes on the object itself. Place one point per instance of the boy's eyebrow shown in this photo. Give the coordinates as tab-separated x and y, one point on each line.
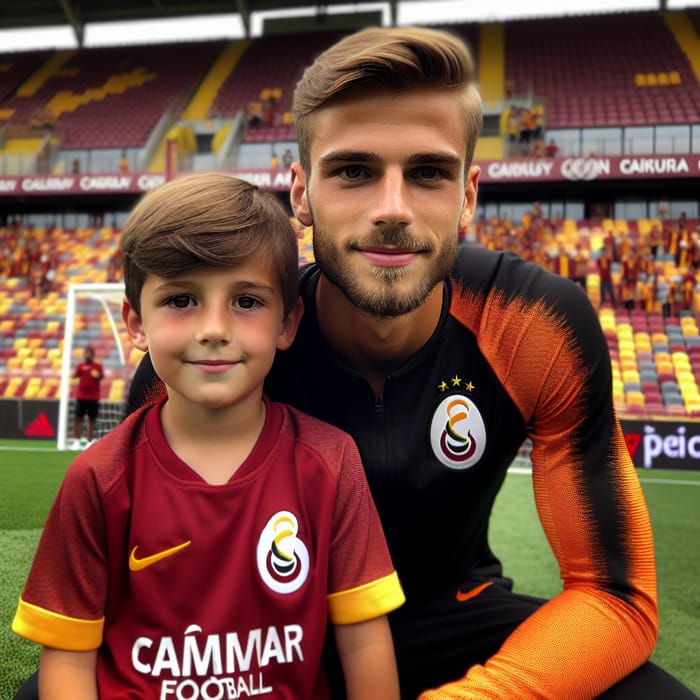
179	283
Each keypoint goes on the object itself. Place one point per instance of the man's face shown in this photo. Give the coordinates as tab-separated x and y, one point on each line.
387	196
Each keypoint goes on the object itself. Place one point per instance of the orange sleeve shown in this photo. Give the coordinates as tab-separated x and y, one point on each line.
604	623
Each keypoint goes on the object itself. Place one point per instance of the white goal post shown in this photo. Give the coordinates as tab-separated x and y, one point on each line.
93	317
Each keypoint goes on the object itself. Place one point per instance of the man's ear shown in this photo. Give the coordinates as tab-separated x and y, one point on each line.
298	196
290	326
134	326
470	192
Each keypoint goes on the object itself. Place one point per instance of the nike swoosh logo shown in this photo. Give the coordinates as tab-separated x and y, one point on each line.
472	593
138	564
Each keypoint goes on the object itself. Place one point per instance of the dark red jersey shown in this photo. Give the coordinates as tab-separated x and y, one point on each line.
194	590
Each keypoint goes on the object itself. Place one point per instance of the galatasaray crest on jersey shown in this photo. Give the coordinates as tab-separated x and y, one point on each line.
457	432
283	559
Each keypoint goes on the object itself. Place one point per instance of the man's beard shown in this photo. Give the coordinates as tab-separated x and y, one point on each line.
382	298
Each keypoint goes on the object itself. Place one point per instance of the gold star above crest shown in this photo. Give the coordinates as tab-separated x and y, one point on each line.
456	381
469	386
442	386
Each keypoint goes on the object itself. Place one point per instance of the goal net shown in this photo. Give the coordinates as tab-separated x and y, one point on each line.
93	317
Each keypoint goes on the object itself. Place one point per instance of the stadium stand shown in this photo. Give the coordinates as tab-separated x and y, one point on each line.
629	69
109	97
655	359
622	69
17	67
262	82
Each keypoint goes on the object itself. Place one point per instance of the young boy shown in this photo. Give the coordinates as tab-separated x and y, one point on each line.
199	549
87	397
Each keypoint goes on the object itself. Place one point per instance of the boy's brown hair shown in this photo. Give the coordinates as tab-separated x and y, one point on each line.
390	59
207	220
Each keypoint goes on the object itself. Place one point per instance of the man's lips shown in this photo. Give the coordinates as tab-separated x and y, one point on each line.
386	257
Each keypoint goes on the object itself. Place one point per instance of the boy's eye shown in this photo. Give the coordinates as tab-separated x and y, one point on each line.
246	302
179	301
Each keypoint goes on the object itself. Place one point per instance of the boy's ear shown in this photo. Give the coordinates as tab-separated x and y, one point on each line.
290	326
134	326
298	197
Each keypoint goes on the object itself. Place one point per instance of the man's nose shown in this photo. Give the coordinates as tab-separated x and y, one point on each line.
393	203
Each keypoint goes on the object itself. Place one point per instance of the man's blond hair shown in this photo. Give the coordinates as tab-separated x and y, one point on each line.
392	60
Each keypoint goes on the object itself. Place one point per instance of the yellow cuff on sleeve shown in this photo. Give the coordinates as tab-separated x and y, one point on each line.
366	602
57	631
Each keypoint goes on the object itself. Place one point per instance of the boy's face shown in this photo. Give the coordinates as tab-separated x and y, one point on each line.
387	194
212	333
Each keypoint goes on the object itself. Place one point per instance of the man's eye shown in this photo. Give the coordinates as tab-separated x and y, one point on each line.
179	301
352	172
428	172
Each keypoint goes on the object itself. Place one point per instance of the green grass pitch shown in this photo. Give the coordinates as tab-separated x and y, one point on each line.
31	471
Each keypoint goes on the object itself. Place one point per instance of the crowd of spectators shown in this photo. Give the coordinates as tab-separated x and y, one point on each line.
264	112
524	127
25	256
656	271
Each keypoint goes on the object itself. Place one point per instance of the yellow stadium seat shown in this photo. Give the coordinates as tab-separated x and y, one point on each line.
28	364
680	359
630	376
618	390
49	388
116	390
627	360
31	391
135	356
635	398
12	387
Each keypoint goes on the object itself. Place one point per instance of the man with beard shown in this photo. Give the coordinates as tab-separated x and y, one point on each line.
440	362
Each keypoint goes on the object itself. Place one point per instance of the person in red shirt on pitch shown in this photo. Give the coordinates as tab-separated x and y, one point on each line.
89	375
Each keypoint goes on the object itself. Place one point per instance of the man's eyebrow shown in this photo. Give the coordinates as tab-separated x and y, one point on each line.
436	158
441	158
349	157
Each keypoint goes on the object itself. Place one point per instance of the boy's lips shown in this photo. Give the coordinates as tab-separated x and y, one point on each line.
213	366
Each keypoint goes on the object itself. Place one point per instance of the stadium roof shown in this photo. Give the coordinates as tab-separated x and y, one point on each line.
76	14
24	14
